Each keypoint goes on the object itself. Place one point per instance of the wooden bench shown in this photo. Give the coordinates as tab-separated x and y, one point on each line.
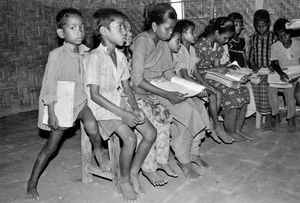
89	168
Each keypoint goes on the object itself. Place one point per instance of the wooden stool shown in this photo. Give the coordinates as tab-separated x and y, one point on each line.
87	158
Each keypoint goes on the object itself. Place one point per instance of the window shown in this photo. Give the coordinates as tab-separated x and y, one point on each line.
179	8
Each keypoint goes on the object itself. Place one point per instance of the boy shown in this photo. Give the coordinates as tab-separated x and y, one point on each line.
107	75
285	52
64	64
260	52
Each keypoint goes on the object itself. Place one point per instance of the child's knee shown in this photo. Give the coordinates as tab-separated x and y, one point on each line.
91	126
130	140
150	135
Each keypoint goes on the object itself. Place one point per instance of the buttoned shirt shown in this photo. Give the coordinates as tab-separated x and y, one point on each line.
101	71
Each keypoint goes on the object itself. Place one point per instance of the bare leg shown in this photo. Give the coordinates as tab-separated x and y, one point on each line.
292	125
276	121
241	115
92	129
168	170
230	125
129	142
148	132
188	170
214	104
41	162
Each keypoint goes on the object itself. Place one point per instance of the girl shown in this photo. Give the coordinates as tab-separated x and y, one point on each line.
209	51
185	61
152	61
159	116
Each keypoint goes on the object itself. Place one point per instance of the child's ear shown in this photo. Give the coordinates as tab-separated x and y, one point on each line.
103	30
154	26
60	33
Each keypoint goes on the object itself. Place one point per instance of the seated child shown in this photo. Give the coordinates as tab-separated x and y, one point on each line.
285	52
107	77
260	52
64	64
159	116
185	61
209	51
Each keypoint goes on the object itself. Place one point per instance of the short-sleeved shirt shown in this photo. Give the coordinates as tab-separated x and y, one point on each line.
207	54
185	59
286	56
150	61
101	71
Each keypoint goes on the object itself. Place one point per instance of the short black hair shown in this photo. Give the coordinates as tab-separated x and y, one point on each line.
63	14
235	16
279	25
104	17
261	15
183	25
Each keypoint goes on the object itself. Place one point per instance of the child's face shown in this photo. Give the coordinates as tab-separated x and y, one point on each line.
164	30
128	33
73	30
262	27
117	33
223	38
238	26
174	43
284	38
189	35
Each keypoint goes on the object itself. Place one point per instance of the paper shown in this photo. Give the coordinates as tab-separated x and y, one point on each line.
223	79
274	78
294	24
181	85
63	108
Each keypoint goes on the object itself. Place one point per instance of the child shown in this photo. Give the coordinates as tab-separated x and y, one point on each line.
152	61
159	116
64	64
285	52
209	51
185	61
260	52
237	45
107	77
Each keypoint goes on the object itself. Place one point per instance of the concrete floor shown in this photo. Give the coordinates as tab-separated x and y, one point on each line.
264	170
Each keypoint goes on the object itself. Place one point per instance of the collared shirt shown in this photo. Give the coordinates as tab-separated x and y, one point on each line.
260	49
101	71
150	61
286	56
64	65
185	59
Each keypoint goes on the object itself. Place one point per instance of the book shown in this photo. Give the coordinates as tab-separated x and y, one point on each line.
181	85
293	24
274	78
64	105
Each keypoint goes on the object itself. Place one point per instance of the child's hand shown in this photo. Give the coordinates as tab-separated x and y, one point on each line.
255	69
53	121
175	97
139	114
151	100
130	119
284	77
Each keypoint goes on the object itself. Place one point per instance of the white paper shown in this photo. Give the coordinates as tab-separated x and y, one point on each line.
294	24
181	85
274	78
63	108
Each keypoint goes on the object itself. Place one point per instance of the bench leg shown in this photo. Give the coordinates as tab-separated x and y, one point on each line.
86	156
114	154
258	120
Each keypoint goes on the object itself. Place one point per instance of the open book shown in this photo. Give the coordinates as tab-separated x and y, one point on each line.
181	85
63	108
274	78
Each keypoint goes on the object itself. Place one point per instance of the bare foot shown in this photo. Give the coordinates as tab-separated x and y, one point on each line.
32	192
276	122
168	170
199	161
238	137
223	135
127	190
102	160
248	137
136	184
291	125
215	137
268	125
188	170
154	178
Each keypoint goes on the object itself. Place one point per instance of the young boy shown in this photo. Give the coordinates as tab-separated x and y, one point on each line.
285	52
107	75
64	64
260	52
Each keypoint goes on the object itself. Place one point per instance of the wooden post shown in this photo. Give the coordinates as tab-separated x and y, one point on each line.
86	156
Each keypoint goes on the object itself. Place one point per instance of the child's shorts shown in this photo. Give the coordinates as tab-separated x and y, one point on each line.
108	127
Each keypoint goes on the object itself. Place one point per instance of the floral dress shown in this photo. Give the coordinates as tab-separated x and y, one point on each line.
208	56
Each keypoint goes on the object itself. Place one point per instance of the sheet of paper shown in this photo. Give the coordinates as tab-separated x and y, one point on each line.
63	108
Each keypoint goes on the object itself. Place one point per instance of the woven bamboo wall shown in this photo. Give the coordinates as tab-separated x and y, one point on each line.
27	34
